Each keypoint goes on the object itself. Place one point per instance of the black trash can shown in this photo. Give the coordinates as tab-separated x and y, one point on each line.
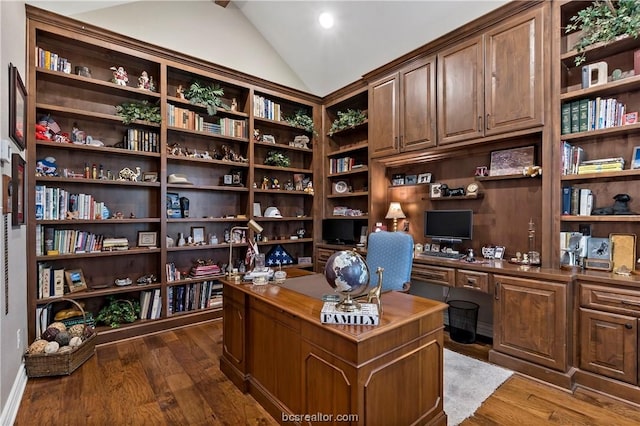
463	321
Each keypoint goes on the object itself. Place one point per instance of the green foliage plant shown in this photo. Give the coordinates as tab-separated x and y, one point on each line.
302	121
144	111
118	311
604	21
277	158
209	96
349	119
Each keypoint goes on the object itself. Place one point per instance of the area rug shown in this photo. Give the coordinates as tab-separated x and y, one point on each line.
467	383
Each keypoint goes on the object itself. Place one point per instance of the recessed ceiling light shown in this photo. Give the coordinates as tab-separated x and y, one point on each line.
326	20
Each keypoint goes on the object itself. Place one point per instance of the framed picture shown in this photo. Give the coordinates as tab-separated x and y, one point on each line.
599	248
147	239
257	210
197	233
17	190
435	247
635	159
75	280
427	247
499	252
424	178
397	179
511	161
410	179
17	108
435	191
149	176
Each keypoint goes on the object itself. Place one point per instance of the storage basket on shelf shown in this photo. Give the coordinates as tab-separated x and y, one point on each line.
64	362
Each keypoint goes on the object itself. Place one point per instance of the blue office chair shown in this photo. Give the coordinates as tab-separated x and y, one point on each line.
392	251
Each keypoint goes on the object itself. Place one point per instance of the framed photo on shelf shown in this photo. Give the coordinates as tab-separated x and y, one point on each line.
397	179
149	176
635	158
435	247
499	252
17	108
75	280
435	191
148	239
197	233
410	179
424	178
511	161
17	190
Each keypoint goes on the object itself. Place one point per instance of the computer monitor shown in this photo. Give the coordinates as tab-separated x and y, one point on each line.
448	225
342	231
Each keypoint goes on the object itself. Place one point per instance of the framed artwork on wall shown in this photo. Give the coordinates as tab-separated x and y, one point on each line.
17	108
17	190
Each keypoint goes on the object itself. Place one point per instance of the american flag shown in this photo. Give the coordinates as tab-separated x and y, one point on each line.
278	256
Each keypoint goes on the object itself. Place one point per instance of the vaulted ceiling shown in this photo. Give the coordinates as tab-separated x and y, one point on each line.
366	34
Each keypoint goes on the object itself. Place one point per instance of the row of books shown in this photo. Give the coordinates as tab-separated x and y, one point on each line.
150	304
186	119
50	281
344	164
577	201
141	140
266	108
574	162
189	297
52	61
593	114
59	204
66	241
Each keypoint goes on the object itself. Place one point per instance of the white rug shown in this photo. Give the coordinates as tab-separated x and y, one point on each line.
467	383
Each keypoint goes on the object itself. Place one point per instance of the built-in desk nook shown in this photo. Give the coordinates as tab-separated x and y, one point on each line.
276	348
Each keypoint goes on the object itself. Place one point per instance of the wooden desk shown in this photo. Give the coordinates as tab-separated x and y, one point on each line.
276	348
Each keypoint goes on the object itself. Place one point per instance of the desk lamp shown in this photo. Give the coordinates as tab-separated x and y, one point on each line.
395	212
254	226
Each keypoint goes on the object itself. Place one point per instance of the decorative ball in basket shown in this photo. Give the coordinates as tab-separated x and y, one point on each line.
60	350
347	272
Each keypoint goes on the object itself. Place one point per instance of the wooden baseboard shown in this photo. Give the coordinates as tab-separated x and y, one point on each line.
552	377
616	389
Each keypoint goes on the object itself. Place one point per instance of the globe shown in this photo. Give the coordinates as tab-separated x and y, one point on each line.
347	272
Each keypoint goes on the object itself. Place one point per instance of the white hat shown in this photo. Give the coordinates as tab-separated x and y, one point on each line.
272	212
178	178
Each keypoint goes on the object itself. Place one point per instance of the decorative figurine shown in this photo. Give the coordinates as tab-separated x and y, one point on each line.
46	167
120	76
265	183
234	104
143	81
128	174
256	135
180	92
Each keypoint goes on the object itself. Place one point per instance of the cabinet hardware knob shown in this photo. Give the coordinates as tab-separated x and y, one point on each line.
488	121
479	123
628	326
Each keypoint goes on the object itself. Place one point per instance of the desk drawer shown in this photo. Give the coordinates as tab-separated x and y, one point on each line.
472	280
610	299
434	274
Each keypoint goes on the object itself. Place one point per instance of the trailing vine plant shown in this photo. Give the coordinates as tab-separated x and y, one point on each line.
301	120
604	21
131	111
349	119
209	96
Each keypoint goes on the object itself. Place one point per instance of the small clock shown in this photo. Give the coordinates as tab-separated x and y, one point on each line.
472	188
340	187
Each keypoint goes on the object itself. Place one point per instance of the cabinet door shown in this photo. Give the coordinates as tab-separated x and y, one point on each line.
609	345
460	92
530	320
418	105
513	77
383	116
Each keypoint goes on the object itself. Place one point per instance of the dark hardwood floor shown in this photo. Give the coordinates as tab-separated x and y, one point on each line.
172	378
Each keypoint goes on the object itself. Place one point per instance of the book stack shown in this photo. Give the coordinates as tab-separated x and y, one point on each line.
113	244
572	157
601	165
367	315
577	201
585	115
199	270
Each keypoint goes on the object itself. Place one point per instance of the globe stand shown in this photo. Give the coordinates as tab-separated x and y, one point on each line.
348	305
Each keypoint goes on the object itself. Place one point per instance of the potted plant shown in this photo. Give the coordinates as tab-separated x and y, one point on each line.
301	120
209	96
604	21
349	119
118	311
276	158
131	111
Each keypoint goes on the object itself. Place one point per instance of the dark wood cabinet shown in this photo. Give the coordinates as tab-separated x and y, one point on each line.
402	109
493	83
530	319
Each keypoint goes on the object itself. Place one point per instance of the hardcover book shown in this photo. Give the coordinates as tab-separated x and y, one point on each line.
367	315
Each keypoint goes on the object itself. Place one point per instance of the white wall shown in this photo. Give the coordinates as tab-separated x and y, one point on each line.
12	325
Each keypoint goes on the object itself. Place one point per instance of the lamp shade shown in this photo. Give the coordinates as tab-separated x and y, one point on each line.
395	211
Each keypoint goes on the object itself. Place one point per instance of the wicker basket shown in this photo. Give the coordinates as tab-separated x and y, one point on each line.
60	364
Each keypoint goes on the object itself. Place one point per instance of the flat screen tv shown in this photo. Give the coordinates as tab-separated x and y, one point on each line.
448	225
342	231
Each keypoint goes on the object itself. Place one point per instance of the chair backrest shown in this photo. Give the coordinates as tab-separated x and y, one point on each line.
394	252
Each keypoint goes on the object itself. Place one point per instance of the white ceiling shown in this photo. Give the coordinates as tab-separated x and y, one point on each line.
366	34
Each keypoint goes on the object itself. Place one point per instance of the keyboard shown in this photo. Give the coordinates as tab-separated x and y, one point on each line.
443	255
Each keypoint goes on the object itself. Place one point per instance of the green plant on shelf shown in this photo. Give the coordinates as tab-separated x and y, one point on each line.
144	111
118	311
209	96
302	121
349	119
276	158
604	21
